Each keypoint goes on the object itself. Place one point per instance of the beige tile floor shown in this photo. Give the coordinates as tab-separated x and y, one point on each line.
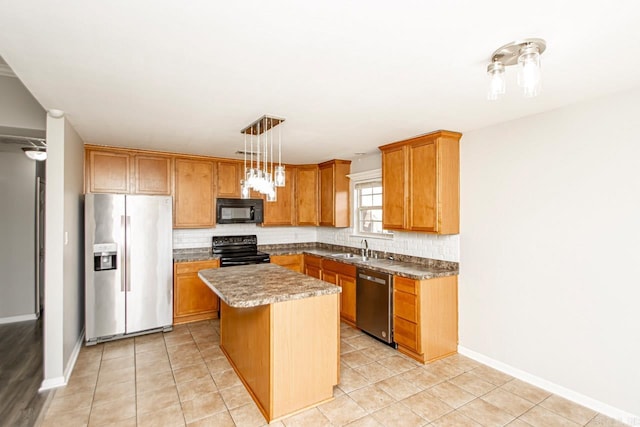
182	378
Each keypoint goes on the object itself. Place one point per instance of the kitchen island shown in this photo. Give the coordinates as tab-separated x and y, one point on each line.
280	330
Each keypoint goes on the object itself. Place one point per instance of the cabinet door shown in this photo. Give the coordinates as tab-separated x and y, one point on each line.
152	175
108	172
347	297
292	262
393	185
282	211
192	299
330	276
313	271
229	175
327	195
193	199
422	186
193	296
307	195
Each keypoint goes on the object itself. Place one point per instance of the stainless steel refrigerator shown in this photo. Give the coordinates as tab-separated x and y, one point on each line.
129	265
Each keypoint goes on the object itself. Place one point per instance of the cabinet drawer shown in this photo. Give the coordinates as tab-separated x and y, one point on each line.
313	260
405	333
194	266
339	267
405	285
405	306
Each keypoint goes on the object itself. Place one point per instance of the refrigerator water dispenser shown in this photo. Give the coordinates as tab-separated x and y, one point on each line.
104	256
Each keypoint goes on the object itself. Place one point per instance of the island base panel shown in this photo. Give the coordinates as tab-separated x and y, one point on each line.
286	353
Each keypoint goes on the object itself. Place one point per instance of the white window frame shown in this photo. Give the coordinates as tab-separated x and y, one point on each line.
362	178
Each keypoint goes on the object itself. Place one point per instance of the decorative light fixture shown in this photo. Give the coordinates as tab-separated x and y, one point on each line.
526	54
35	153
262	176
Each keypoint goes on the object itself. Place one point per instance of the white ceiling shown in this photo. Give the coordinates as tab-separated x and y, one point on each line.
347	75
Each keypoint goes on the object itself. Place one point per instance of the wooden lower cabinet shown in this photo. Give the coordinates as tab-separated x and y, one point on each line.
348	298
292	262
192	299
425	317
343	275
313	266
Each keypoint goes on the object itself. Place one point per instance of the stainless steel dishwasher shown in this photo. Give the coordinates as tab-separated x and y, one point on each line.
374	298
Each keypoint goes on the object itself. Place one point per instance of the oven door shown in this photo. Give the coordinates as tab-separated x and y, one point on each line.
230	261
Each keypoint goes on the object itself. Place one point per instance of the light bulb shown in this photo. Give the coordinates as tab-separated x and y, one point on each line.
280	176
495	70
272	196
245	189
529	71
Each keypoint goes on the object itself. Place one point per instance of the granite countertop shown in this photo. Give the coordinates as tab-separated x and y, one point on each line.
411	270
196	254
401	265
261	284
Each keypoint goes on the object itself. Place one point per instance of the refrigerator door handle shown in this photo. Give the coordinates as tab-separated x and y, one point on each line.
123	277
127	249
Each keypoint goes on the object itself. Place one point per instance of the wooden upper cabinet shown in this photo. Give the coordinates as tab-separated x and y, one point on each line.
152	174
393	188
113	170
107	172
334	193
282	211
194	194
228	178
422	201
307	195
421	183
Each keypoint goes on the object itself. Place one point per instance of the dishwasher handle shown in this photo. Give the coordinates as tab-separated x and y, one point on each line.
372	279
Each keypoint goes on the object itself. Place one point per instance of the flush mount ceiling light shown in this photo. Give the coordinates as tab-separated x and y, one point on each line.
262	176
35	153
526	54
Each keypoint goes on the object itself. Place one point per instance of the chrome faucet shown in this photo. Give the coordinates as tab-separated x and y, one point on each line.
364	250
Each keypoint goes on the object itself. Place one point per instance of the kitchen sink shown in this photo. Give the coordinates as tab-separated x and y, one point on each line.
350	256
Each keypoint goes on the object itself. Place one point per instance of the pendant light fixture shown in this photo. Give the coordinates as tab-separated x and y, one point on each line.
262	176
35	153
526	54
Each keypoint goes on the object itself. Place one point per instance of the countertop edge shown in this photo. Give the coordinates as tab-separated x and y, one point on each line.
243	303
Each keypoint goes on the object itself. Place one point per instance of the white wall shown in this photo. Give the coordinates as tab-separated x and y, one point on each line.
18	108
550	240
17	234
74	247
64	284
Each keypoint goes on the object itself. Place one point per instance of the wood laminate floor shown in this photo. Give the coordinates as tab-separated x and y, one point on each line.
21	373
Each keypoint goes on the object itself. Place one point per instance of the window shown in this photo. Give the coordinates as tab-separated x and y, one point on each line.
368	205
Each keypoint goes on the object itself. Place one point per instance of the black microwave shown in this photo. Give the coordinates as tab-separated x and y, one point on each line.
239	211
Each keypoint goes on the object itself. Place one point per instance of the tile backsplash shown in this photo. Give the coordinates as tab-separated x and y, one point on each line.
421	245
201	237
415	244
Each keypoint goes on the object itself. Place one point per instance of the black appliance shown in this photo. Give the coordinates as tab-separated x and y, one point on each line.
239	211
238	250
374	296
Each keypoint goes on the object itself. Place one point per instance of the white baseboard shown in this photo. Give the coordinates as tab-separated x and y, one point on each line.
56	382
50	383
74	357
561	391
21	318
